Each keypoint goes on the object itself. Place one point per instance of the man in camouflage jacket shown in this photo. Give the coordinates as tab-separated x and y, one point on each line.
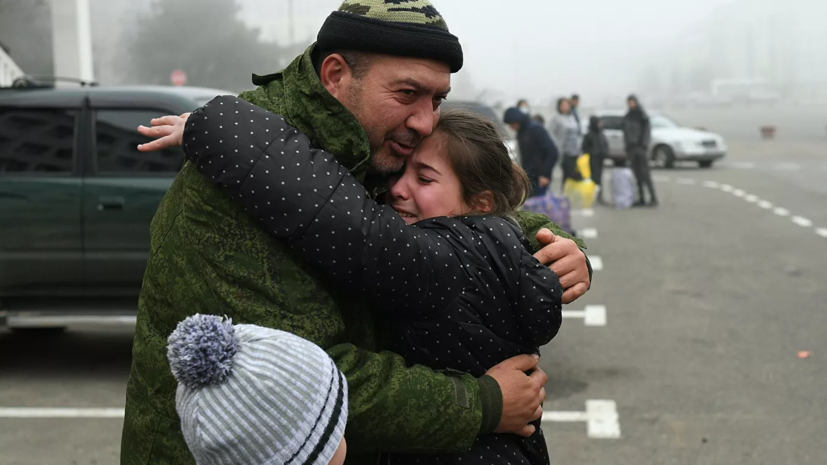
209	256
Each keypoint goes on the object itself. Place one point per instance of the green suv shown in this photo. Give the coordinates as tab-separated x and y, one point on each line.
77	198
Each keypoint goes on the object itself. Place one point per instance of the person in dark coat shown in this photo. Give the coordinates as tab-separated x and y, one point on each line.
441	260
637	136
596	145
537	151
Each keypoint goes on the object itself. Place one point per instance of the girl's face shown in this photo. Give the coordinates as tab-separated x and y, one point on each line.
428	187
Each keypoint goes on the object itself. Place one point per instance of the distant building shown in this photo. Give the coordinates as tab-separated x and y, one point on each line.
780	42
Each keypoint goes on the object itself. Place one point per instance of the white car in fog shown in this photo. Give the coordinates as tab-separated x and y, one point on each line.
671	142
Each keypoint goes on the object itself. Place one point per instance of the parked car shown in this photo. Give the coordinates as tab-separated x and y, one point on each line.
77	198
671	142
487	112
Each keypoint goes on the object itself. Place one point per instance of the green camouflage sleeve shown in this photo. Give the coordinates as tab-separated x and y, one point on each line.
531	223
396	408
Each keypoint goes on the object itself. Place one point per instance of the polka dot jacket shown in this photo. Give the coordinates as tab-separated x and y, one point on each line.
461	293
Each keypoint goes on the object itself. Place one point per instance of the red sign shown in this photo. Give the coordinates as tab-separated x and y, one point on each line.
178	78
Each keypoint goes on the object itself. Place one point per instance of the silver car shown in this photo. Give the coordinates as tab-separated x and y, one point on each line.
671	142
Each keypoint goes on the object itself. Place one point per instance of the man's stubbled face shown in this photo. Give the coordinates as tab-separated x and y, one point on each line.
397	103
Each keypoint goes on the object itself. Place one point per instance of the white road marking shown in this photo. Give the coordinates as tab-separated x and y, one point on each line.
587	233
781	212
711	184
738	193
602	420
751	198
593	315
788	166
801	221
597	262
747	165
822	232
687	181
45	321
588	212
727	188
659	178
765	205
61	412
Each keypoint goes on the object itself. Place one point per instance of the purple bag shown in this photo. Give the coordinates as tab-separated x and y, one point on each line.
557	209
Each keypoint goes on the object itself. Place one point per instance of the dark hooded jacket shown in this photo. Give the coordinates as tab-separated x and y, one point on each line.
460	293
537	150
594	142
636	128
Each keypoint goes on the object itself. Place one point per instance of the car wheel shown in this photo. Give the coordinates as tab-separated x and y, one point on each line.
705	163
663	156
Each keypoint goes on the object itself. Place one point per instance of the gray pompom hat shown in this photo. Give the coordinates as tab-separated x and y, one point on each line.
252	395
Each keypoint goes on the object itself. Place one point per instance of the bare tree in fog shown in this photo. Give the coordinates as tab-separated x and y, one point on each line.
26	34
204	38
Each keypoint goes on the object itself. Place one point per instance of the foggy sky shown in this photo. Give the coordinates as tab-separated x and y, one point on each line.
537	48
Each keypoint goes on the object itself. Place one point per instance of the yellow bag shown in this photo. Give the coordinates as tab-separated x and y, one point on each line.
581	194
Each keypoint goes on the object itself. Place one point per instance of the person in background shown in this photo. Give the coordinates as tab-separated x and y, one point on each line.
575	109
636	136
537	150
523	106
596	145
566	132
538	118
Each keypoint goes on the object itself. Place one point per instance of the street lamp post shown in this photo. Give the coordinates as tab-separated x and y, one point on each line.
72	40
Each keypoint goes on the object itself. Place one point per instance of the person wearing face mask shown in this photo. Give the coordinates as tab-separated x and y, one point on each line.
523	106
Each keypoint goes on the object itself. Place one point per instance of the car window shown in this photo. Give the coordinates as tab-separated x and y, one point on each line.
38	141
612	122
117	141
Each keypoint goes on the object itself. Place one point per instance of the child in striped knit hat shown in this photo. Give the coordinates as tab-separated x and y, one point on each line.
249	395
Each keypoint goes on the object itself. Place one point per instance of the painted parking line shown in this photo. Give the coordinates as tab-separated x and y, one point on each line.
587	212
781	212
597	262
687	181
744	165
61	412
788	167
751	198
711	184
739	193
727	188
593	315
765	204
587	233
601	418
801	221
822	232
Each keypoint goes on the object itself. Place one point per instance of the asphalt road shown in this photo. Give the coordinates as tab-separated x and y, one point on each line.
709	299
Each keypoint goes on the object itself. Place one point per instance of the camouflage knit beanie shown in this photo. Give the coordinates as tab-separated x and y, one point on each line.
411	28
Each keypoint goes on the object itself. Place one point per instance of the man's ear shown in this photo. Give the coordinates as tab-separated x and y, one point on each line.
483	202
335	74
